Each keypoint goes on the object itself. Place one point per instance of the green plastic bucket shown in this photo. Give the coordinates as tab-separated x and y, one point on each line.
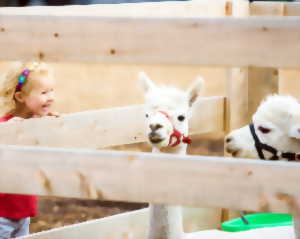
258	220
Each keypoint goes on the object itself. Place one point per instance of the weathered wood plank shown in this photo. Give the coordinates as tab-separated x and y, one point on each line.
121	226
288	82
275	8
128	176
129	225
267	8
103	128
151	40
146	9
262	233
134	224
292	9
237	98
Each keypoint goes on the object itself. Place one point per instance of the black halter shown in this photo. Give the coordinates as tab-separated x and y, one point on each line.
276	155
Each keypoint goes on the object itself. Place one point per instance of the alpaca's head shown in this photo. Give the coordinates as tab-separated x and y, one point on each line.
276	123
167	108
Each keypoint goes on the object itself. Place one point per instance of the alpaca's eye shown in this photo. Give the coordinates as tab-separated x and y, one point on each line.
146	115
264	130
181	117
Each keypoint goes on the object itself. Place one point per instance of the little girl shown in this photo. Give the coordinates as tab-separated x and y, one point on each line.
28	92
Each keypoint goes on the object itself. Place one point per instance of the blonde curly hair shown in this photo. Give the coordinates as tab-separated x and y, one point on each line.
9	81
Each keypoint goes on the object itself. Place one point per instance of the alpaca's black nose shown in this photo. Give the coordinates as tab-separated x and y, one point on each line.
155	127
154	137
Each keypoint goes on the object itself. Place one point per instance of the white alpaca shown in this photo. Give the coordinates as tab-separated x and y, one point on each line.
275	135
167	114
276	124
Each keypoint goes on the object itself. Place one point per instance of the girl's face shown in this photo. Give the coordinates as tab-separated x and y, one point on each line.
41	96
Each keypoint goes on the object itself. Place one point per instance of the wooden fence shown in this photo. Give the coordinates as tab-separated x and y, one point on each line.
159	33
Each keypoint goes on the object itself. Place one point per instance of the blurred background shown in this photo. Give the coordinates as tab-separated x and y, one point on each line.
106	86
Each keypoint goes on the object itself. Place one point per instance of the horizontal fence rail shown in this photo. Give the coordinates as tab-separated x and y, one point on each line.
248	41
137	177
125	225
104	128
131	225
135	224
140	34
275	8
147	9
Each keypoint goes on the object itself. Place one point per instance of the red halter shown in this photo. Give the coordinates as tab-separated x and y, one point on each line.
176	134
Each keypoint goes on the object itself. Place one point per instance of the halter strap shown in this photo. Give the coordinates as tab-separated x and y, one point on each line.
176	134
260	146
291	156
276	154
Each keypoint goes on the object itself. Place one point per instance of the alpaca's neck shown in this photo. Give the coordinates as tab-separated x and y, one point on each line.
180	149
166	221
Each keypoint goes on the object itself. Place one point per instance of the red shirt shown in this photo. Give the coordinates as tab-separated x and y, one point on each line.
16	205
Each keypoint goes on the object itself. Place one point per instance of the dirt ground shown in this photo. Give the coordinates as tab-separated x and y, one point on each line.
57	212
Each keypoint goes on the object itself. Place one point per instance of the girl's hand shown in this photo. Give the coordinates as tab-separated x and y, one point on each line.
55	114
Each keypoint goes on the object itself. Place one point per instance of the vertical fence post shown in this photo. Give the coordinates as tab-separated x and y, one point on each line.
264	81
288	78
221	214
246	87
270	77
236	113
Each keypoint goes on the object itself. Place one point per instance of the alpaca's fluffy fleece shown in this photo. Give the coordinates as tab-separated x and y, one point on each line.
276	122
175	103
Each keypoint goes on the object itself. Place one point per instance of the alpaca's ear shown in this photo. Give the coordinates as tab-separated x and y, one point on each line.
145	82
195	90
